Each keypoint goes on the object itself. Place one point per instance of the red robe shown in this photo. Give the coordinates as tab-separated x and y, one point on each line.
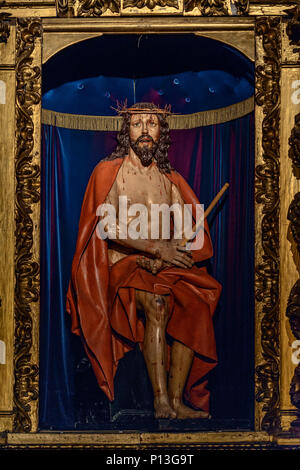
101	300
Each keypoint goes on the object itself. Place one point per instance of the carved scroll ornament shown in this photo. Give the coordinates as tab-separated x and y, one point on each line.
28	95
207	7
87	8
97	8
217	7
94	8
150	4
267	195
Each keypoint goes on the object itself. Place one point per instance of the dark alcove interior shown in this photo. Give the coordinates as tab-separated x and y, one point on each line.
193	74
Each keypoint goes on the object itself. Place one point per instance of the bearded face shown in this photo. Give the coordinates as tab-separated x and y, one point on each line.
144	132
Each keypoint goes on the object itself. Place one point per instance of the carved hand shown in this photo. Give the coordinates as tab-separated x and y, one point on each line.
172	252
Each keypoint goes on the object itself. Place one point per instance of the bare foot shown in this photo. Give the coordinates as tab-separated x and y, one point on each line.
163	409
184	412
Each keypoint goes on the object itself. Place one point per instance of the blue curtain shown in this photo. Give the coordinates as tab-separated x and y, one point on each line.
207	157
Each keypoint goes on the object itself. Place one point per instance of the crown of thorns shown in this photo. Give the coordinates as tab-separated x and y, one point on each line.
140	109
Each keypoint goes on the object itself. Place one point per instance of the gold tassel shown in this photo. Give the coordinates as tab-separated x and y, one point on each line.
184	121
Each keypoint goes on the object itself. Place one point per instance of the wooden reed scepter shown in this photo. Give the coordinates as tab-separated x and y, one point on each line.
206	213
146	263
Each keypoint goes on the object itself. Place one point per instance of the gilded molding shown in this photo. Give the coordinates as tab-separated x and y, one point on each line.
28	95
267	196
4	27
143	440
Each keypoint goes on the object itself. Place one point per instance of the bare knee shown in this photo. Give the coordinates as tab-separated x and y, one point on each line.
156	307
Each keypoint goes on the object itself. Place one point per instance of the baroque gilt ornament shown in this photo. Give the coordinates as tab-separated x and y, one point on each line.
207	7
150	4
28	77
267	195
97	8
293	307
28	95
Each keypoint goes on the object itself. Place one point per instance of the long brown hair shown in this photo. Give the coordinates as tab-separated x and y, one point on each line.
161	154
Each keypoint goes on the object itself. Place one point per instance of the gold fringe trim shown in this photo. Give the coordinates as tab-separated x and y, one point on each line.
113	123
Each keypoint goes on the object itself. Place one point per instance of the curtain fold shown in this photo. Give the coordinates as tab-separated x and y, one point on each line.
206	157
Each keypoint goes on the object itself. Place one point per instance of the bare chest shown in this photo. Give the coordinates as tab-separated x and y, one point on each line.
145	187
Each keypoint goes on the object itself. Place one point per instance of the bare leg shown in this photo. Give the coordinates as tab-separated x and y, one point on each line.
154	349
181	361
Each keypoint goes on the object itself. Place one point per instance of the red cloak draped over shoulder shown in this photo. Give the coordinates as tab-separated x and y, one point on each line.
101	301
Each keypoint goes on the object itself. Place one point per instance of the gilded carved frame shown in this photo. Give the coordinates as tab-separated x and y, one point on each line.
276	59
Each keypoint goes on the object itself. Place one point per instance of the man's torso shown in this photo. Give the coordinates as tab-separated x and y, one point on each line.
140	185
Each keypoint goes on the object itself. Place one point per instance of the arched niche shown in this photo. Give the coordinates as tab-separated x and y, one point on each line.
87	77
